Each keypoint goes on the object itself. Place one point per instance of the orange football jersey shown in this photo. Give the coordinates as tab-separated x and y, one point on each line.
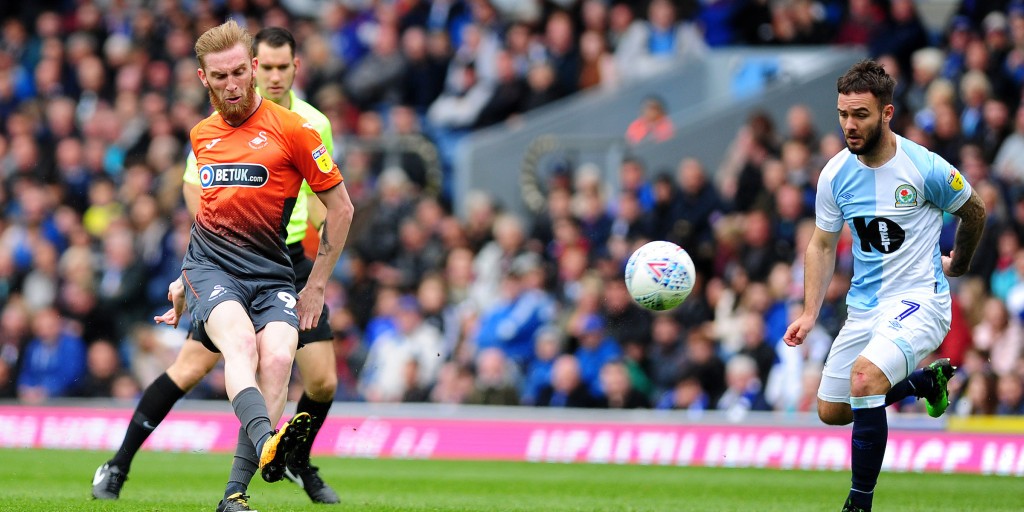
250	176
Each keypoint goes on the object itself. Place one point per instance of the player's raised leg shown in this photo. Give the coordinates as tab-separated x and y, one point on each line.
930	383
192	364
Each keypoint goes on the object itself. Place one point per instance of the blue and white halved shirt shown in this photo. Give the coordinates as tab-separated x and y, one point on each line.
895	214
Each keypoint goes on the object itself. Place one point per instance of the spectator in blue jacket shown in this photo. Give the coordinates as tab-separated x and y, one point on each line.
512	323
595	349
54	360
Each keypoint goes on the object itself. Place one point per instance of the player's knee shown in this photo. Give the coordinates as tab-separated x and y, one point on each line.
835	417
276	361
834	413
866	379
322	388
186	374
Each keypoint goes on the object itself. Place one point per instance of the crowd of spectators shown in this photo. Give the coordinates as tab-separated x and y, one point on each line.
97	97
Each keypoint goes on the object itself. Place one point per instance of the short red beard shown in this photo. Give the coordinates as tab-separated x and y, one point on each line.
235	113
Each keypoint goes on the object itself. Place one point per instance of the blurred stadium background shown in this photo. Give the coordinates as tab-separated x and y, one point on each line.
505	157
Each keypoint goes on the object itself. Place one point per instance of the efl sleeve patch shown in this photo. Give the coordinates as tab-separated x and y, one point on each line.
955	180
323	159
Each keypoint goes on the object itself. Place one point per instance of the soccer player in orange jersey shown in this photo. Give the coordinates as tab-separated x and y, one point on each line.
237	277
274	48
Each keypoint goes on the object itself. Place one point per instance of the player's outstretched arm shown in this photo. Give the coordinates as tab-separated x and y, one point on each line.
175	294
819	264
968	234
333	234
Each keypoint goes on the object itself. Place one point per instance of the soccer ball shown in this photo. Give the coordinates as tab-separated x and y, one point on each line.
660	275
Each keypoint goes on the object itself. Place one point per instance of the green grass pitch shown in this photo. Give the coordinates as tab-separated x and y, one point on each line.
57	481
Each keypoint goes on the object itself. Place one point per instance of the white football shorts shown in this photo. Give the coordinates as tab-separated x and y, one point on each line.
896	336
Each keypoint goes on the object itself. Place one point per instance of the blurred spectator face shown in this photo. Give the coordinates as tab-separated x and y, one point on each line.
69	154
572	264
947	123
408	317
24	154
976	57
686	393
795	155
614	379
505	67
14	322
414	44
592	46
459	268
995	314
758	231
370	125
1010	390
102	359
77	298
46	326
118	248
753	330
125	387
412	236
691	176
428	211
652	110
91	74
60	117
619	17
902	11
403	120
616	296
34	204
800	122
559	33
699	347
511	285
631	175
592	332
47	77
666	330
595	15
661	14
565	374
996	114
275	71
830	145
548	345
491	367
144	211
740	371
439	45
541	76
509	234
788	202
431	294
229	78
981	393
517	39
387	41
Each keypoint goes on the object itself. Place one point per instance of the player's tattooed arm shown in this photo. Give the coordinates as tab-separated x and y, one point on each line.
972	222
325	241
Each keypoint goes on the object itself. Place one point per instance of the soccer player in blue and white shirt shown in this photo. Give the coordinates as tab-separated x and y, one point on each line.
892	193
